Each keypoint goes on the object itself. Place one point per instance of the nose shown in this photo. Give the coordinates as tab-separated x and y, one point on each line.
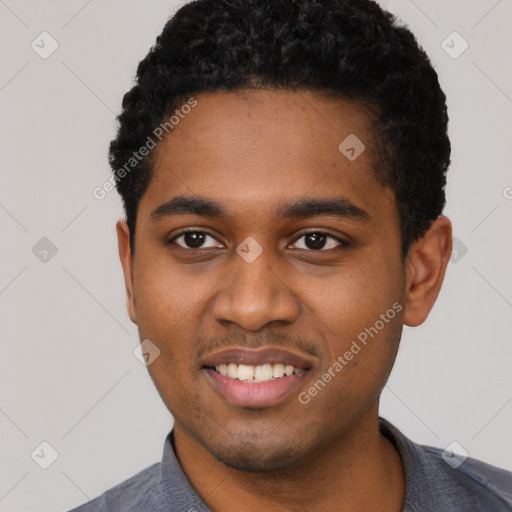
253	295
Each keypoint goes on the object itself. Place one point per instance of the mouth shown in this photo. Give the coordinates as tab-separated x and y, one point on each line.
254	374
256	378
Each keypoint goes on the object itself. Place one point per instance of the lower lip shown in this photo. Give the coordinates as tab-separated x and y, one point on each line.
255	394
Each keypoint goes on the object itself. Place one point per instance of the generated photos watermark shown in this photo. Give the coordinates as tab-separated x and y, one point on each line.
343	360
100	192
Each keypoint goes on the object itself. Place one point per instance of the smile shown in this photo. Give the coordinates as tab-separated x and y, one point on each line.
256	378
260	373
254	394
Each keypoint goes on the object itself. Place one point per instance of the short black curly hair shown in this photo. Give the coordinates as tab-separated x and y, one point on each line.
345	48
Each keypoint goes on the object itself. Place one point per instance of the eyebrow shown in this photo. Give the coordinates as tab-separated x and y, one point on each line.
296	209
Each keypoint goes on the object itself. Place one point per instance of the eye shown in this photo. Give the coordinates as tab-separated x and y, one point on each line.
194	239
313	241
319	241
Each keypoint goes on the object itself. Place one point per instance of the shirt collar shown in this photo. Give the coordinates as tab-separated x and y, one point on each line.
422	491
177	489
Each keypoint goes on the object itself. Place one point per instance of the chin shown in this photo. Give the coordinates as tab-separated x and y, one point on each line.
257	461
252	452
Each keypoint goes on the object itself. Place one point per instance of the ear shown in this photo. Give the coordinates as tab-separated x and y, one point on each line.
125	255
426	264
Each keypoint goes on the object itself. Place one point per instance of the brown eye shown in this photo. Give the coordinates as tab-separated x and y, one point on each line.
194	240
319	241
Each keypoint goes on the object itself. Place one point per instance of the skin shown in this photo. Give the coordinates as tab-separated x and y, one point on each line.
249	151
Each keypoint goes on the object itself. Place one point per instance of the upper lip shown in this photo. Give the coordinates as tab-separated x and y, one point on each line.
257	357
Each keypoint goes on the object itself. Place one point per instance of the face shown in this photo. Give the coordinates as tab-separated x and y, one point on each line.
263	252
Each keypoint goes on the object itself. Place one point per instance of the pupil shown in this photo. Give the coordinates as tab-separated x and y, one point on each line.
194	239
317	239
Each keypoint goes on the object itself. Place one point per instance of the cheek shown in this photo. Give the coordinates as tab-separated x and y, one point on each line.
167	311
360	312
167	298
354	297
161	317
361	355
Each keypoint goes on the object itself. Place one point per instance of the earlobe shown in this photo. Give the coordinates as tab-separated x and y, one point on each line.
125	255
426	265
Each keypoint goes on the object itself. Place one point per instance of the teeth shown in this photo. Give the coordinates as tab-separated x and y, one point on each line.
261	373
278	370
232	370
245	372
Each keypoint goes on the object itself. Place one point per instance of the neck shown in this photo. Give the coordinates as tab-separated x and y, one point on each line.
361	470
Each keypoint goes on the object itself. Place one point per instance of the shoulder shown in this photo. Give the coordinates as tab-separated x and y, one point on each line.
482	482
160	487
134	494
437	479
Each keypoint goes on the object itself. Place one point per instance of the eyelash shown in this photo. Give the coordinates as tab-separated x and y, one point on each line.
343	243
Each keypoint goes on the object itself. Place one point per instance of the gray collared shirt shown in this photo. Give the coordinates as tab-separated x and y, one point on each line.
431	484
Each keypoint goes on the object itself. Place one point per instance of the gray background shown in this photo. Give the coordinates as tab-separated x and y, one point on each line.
68	373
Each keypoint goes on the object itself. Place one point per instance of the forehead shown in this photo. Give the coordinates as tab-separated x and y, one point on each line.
261	147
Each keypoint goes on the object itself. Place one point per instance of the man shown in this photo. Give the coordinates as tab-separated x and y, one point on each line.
282	167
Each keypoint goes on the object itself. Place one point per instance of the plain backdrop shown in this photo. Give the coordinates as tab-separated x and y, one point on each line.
68	373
